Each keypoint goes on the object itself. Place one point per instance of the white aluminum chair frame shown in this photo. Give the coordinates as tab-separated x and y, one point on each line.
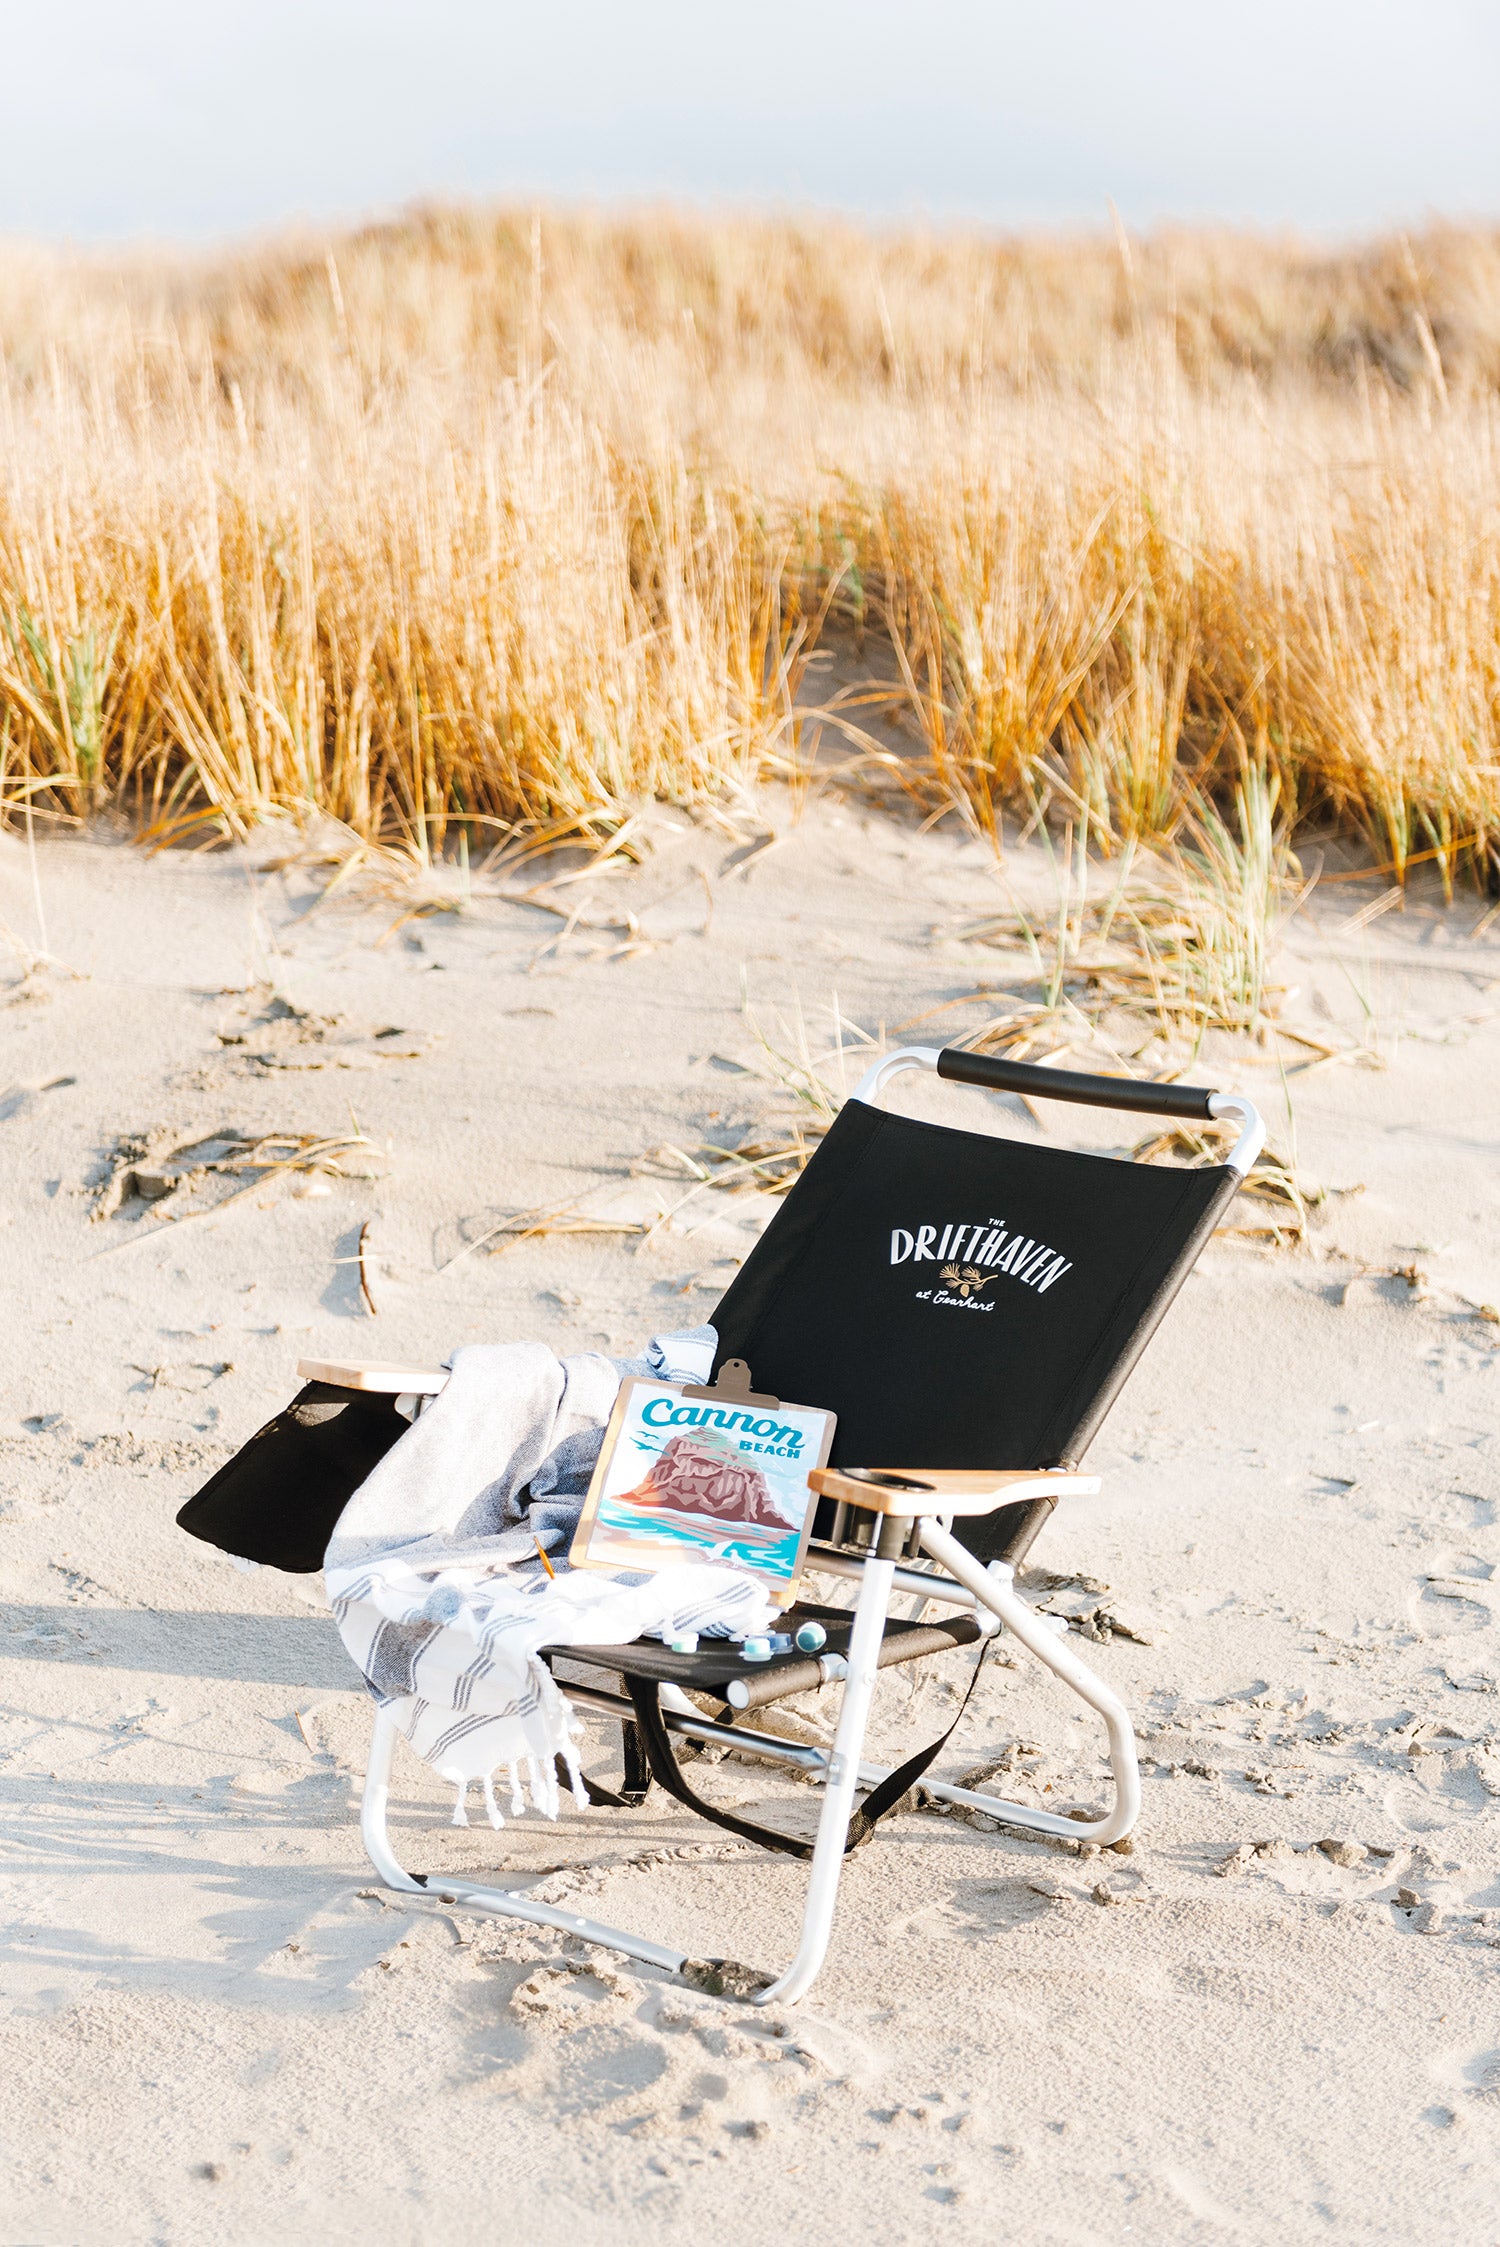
958	1580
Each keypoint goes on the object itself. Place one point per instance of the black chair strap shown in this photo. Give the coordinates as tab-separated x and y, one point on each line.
645	1692
637	1766
884	1798
878	1803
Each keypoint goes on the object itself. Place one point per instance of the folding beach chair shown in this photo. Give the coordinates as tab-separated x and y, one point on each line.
970	1306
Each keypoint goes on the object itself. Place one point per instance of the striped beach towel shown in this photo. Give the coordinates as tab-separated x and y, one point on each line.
435	1582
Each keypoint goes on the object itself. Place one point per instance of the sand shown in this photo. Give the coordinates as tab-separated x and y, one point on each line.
214	2027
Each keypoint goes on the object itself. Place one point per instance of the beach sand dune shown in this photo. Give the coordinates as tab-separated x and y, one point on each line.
1275	2017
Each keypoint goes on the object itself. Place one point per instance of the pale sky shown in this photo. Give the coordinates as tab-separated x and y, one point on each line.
204	118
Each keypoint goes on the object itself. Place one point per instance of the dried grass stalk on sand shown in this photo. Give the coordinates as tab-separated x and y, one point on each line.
158	1176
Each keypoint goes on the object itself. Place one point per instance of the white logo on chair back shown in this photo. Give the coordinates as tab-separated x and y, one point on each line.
971	1257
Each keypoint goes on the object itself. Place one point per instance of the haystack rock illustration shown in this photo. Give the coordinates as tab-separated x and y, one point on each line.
691	1477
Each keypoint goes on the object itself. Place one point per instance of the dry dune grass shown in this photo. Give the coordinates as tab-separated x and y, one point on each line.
515	521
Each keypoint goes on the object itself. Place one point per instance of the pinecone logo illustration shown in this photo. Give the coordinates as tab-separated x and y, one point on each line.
967	1279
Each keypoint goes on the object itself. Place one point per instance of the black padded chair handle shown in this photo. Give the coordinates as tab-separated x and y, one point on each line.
997	1075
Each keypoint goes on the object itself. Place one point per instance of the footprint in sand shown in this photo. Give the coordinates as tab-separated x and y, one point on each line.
1457	1788
1470	2082
562	1996
663	2063
17	1099
1455	1595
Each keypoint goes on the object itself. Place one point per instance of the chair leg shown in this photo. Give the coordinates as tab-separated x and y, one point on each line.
373	1829
842	1778
994	1591
503	1903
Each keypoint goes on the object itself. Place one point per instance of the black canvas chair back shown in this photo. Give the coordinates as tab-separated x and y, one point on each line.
963	1300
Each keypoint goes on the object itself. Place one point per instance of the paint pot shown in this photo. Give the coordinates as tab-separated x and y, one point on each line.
811	1637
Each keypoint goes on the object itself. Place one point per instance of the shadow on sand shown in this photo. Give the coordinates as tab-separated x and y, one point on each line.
303	1650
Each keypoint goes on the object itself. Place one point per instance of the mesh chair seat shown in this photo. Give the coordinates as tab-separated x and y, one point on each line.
718	1663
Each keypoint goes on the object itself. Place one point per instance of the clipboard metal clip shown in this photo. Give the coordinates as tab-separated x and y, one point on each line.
731	1385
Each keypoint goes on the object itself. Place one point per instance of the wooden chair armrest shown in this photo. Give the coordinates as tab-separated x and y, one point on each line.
374	1377
946	1490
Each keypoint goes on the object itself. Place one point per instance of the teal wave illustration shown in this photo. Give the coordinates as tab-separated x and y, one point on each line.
773	1551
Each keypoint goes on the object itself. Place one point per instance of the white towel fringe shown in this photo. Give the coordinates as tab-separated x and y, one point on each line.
575	1779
